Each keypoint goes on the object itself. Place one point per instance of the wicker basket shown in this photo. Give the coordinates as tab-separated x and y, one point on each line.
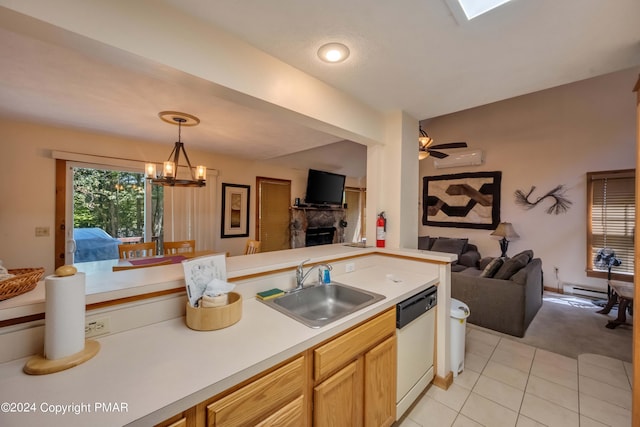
25	280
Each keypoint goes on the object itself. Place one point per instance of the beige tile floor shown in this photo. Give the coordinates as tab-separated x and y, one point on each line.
507	383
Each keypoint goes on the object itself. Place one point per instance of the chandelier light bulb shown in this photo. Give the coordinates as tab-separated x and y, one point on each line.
201	172
169	170
150	169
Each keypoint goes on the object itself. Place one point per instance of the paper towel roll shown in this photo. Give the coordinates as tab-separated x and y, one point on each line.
64	315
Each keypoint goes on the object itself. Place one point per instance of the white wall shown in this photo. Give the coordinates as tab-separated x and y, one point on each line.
545	139
27	184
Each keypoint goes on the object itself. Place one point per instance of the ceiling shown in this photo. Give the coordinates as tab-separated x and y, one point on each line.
411	55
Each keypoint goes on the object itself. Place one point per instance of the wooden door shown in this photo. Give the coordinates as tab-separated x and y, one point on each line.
380	384
337	401
273	202
354	231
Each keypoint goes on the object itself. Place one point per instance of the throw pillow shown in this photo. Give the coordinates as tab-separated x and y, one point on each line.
451	246
512	266
485	261
492	268
528	253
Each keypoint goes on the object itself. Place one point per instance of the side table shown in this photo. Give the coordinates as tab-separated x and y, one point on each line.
624	291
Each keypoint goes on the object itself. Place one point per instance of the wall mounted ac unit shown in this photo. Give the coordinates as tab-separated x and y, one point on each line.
461	158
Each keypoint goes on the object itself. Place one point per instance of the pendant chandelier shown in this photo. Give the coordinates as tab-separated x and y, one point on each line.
169	174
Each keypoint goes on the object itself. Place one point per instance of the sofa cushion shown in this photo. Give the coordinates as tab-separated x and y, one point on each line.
448	245
512	266
469	258
457	268
425	242
492	268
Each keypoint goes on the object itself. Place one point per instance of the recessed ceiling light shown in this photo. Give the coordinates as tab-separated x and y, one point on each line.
333	52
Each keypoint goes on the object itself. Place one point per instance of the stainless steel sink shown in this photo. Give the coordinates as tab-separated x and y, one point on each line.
318	305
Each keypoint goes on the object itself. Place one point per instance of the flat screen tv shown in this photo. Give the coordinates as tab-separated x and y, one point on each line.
324	188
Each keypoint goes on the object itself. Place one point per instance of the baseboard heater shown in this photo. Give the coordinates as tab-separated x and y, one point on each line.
584	291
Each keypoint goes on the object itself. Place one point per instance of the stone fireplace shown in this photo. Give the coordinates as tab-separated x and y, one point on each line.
312	226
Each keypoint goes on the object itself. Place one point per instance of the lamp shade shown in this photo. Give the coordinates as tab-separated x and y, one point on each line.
150	170
505	229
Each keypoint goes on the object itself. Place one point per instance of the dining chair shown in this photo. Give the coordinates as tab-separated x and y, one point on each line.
179	247
252	247
137	250
134	267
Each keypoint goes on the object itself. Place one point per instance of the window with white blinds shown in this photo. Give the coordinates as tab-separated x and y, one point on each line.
611	221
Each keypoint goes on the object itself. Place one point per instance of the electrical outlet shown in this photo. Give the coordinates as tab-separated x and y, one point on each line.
93	328
349	267
42	231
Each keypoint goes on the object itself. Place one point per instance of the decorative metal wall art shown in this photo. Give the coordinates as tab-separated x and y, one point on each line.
560	205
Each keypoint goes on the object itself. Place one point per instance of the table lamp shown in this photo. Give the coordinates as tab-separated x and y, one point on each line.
506	231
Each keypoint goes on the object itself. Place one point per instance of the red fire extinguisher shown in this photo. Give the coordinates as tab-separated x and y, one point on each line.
381	230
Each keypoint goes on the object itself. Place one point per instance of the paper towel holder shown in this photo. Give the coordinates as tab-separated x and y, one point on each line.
40	365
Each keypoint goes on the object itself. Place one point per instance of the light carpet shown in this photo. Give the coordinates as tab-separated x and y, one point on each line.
570	326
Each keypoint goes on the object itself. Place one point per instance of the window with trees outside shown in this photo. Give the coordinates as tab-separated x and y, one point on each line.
110	207
610	222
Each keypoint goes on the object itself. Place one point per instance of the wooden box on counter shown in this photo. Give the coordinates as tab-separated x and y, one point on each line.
212	318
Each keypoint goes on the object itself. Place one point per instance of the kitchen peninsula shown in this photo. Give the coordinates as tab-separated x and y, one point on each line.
148	371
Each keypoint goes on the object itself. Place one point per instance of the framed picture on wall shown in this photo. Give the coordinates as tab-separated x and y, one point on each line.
464	200
235	210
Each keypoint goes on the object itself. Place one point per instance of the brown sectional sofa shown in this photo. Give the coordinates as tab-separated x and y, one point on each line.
506	304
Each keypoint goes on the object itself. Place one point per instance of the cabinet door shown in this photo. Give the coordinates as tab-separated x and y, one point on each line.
340	351
380	384
337	401
292	415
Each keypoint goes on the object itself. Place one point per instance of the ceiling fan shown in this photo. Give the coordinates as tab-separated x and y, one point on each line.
426	148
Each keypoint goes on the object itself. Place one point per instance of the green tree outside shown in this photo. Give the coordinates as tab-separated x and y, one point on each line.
114	201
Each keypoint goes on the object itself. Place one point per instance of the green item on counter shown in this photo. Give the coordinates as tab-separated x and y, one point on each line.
271	293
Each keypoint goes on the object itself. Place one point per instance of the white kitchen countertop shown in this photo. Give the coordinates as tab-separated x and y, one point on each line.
157	371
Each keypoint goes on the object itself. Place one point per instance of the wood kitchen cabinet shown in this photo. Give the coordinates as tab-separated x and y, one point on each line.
352	383
277	395
380	383
355	376
337	401
185	419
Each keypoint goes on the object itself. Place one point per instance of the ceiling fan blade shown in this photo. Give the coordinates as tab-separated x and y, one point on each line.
450	145
438	154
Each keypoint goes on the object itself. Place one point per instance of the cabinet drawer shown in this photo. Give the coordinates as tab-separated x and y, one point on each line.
262	397
339	351
291	415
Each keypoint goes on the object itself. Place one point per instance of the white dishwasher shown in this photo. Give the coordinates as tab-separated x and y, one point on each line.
415	323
